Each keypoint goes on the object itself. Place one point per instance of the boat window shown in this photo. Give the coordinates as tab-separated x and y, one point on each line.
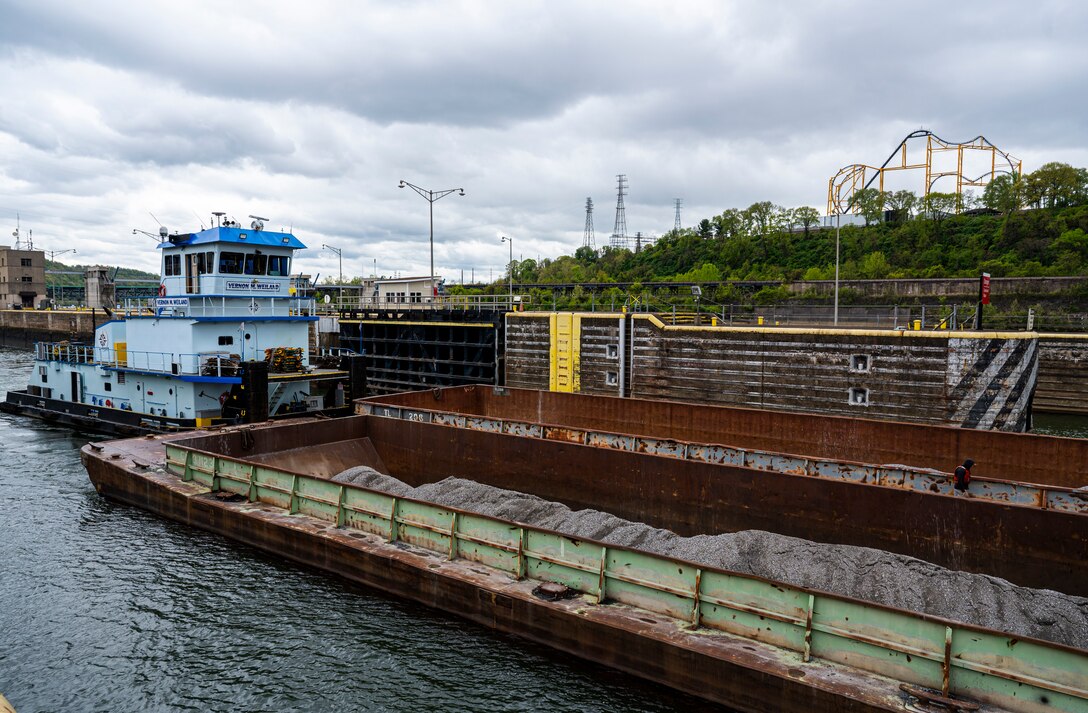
226	341
205	263
230	263
172	265
108	386
256	264
279	265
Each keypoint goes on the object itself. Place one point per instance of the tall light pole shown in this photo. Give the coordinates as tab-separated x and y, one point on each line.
511	241
340	256
431	197
52	258
838	217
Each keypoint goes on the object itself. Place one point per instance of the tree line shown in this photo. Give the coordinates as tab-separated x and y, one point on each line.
1034	225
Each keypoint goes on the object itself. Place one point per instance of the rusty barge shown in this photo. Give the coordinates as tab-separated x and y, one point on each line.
709	469
749	643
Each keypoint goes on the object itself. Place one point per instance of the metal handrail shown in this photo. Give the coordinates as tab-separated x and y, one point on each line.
221	306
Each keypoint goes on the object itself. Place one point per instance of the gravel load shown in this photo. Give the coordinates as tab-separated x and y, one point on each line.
860	572
366	477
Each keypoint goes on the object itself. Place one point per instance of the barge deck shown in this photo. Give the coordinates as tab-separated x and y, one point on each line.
752	644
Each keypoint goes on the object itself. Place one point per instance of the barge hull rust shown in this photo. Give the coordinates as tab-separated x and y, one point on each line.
1027	546
1046	460
741	674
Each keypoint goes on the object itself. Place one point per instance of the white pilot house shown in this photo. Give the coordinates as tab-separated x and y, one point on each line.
227	340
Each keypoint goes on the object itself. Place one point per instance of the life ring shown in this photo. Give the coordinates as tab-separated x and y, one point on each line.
162	289
109	403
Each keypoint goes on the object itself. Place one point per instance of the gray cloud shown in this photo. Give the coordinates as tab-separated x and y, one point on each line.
311	114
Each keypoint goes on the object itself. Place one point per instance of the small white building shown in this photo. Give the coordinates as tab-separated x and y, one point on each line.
400	290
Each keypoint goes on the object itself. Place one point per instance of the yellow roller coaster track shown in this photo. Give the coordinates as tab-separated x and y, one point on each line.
842	187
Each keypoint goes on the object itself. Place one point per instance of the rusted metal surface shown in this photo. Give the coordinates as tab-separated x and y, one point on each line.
1043	460
1028	546
715	667
924	481
746	675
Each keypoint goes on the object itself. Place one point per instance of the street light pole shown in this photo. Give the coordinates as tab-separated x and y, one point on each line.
52	258
431	197
838	216
511	241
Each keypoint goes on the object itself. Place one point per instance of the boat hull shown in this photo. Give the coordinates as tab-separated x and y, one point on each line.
99	419
742	674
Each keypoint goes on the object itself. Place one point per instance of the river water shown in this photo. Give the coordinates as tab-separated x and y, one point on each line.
104	607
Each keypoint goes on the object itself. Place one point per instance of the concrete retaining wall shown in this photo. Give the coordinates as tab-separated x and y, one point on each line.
23	327
942	286
975	380
1063	374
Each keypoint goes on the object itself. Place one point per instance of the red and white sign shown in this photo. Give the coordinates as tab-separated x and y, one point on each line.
984	289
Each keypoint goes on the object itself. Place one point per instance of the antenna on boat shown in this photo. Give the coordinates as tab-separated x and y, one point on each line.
258	222
218	217
154	218
198	219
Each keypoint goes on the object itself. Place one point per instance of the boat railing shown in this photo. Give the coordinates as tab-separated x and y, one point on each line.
218	364
66	352
470	303
220	306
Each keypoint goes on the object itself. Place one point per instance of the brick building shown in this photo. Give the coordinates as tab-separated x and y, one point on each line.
22	278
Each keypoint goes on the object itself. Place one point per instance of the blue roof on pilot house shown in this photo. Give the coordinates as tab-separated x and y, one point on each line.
239	236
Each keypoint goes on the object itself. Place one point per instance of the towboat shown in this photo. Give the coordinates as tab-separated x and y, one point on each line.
229	339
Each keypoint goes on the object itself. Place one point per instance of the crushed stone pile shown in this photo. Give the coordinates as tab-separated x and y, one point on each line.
860	572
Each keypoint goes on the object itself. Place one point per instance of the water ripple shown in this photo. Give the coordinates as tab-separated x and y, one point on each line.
107	608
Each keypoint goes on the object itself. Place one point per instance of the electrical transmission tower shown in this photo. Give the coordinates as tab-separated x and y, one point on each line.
587	238
676	223
619	233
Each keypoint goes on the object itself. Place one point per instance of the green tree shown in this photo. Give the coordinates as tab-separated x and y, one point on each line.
874	266
761	216
938	206
1056	185
901	200
806	217
1003	194
870	204
585	255
730	224
1071	251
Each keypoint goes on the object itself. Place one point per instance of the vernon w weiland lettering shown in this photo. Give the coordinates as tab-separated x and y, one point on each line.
254	286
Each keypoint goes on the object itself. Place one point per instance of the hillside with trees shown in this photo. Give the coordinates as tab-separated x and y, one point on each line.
1035	225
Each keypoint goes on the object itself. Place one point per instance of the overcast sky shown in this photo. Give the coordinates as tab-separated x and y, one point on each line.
310	113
